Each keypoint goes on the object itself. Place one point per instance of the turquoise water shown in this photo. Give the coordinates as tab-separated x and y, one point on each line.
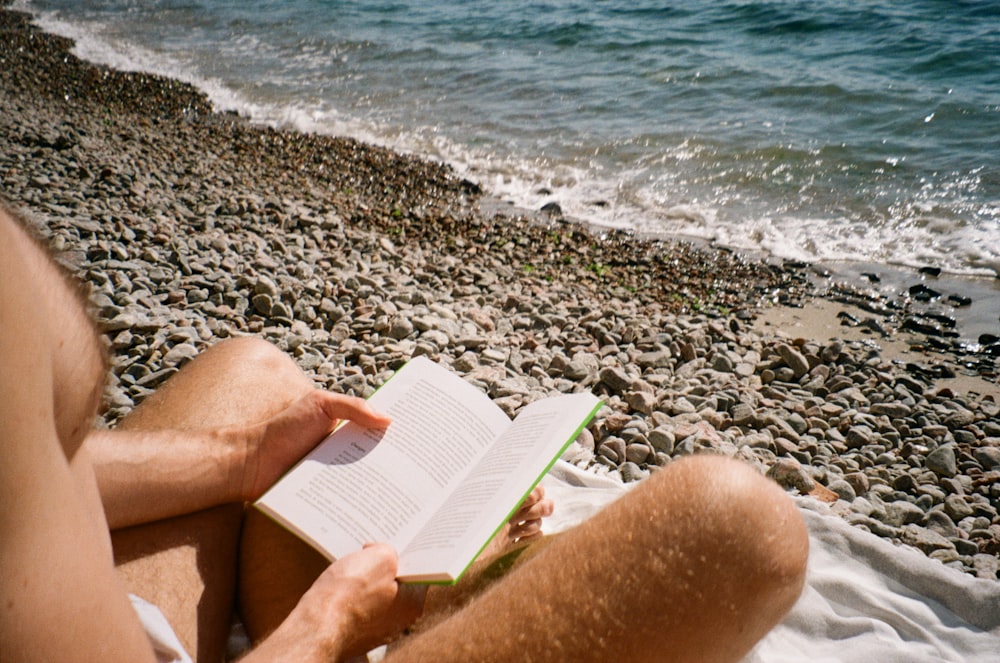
813	130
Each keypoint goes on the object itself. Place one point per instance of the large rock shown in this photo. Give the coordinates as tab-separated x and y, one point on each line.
615	378
789	474
942	461
794	360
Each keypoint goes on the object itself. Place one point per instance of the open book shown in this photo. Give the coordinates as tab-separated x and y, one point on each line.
437	483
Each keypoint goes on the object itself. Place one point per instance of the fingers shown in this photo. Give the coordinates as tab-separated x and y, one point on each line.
526	523
359	598
536	494
381	554
385	558
352	408
536	511
375	563
526	530
371	571
534	507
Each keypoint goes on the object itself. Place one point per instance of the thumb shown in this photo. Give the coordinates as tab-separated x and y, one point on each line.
352	408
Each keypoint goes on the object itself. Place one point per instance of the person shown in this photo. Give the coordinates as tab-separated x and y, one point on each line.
695	564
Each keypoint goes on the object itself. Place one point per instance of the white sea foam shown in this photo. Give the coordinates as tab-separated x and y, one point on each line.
657	184
93	43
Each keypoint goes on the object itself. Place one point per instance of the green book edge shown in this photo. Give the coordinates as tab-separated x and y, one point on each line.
562	449
518	503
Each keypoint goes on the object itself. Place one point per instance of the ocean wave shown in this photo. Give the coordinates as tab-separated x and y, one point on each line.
816	132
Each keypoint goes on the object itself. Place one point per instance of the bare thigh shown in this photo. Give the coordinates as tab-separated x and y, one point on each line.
187	565
695	565
277	568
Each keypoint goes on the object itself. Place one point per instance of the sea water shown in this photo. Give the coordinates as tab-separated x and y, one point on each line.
819	130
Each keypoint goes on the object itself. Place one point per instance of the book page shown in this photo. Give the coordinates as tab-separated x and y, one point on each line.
363	485
501	480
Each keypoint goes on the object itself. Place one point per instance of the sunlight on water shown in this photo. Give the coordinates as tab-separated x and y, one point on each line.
826	130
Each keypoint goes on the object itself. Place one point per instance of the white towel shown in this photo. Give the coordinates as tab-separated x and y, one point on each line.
865	599
161	635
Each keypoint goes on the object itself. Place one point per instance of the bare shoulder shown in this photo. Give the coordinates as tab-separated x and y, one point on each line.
26	377
48	347
55	557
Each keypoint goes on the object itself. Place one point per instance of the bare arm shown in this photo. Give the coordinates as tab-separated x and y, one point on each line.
149	476
60	596
55	553
152	475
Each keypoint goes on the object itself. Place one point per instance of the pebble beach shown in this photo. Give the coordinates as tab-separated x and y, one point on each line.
189	226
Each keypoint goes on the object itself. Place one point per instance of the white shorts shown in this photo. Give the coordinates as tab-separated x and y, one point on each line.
161	635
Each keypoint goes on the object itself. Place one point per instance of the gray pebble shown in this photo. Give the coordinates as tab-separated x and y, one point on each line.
942	461
210	257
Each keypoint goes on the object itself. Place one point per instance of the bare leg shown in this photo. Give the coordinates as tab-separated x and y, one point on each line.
239	381
276	567
187	565
695	565
275	570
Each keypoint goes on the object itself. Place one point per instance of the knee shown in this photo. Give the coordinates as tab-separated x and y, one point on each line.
251	350
255	368
257	355
751	519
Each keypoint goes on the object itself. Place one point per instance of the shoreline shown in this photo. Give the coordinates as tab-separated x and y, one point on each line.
190	226
784	226
975	319
873	303
820	320
970	321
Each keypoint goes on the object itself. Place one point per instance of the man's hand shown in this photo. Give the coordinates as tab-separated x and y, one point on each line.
354	606
362	592
276	444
